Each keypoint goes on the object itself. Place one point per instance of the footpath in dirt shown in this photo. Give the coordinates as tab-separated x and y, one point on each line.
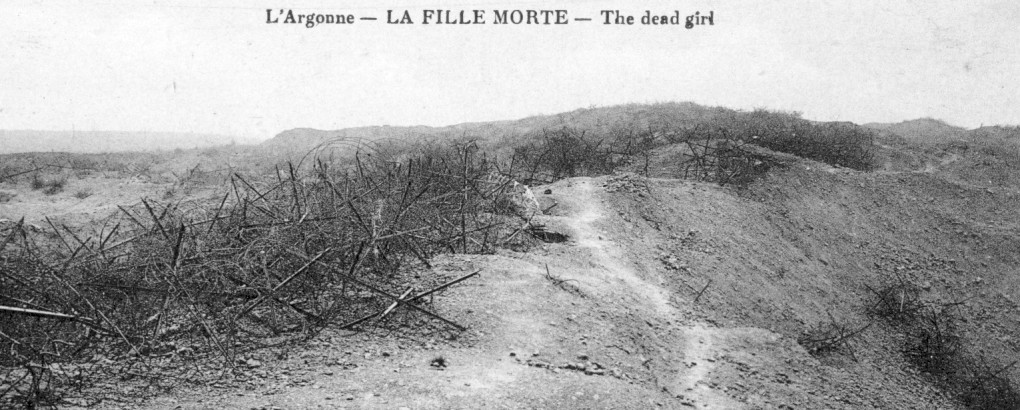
596	321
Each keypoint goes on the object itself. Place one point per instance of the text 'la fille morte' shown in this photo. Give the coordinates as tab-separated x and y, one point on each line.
498	17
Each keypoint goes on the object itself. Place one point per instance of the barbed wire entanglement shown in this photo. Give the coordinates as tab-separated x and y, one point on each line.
165	286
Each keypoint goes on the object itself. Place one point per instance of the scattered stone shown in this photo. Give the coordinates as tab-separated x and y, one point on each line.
574	366
252	363
438	362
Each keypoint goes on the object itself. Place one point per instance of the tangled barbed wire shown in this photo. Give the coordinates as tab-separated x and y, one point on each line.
327	242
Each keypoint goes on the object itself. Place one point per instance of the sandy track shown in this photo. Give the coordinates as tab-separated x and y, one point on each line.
701	347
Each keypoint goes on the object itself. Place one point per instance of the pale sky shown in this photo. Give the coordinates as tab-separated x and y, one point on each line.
186	66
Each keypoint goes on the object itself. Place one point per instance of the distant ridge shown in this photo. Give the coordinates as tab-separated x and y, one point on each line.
14	141
627	116
999	132
922	130
303	139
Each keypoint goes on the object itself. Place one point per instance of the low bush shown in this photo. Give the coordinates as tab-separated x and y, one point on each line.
898	302
986	388
562	153
83	193
714	147
841	144
932	342
55	186
49	185
37	182
830	337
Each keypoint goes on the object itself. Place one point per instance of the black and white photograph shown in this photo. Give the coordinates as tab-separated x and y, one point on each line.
506	204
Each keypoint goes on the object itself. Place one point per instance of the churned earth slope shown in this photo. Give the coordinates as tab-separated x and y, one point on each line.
621	315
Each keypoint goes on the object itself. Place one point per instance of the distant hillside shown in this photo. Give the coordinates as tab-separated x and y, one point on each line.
625	118
13	141
922	130
996	132
304	139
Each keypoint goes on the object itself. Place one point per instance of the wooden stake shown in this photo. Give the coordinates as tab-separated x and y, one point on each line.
702	291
